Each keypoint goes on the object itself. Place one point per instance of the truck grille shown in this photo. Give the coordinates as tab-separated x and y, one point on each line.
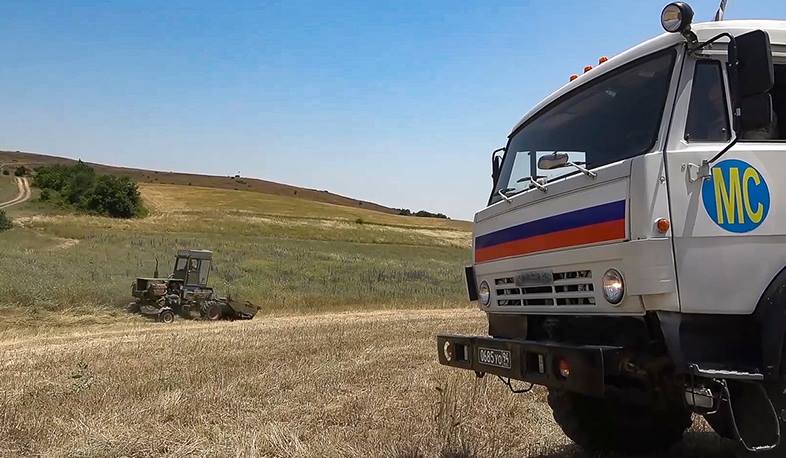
569	288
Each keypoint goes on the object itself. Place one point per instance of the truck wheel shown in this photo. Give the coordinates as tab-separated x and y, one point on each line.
600	424
166	316
214	312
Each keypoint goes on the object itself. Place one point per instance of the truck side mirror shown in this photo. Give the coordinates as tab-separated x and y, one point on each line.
755	72
756	112
753	75
496	164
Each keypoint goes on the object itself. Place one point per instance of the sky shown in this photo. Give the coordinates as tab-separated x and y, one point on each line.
397	102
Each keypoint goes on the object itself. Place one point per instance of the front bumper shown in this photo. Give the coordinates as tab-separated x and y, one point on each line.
535	362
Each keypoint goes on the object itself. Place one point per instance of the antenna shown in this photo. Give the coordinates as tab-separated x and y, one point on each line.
721	10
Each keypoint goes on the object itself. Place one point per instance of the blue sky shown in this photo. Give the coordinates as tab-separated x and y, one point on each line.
395	102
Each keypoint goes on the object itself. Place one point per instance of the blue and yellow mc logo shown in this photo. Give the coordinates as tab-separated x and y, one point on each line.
736	196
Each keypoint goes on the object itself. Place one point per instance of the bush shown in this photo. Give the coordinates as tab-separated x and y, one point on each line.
421	213
21	171
5	221
114	196
425	214
79	186
6	172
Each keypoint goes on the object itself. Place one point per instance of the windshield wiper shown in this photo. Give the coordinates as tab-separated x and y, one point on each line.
581	169
534	182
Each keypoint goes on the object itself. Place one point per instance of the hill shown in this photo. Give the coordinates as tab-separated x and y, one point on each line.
13	159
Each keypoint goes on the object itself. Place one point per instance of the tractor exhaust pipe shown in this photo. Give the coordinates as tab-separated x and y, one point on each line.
155	274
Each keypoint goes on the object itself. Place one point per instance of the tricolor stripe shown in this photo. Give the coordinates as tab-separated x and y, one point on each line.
601	223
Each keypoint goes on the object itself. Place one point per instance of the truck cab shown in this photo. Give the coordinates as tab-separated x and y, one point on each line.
631	256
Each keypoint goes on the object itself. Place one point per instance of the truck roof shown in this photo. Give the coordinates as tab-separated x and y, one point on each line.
703	30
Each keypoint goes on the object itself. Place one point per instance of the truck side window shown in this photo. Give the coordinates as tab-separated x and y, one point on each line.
708	116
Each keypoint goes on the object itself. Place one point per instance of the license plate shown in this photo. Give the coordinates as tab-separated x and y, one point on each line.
535	278
494	357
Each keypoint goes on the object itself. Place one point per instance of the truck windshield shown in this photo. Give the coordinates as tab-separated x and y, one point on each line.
612	118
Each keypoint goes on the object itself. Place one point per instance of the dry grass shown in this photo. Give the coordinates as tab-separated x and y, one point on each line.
184	199
343	385
8	188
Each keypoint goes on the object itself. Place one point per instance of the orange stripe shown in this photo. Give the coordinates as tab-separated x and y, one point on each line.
594	233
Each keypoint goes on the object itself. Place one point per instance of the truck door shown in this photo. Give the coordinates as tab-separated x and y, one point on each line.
723	257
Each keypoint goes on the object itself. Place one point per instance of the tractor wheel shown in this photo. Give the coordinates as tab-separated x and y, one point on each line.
214	311
133	307
601	424
166	316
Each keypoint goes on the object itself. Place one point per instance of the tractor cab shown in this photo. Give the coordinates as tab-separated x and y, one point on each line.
192	267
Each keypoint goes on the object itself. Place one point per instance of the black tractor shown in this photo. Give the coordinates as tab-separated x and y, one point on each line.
186	293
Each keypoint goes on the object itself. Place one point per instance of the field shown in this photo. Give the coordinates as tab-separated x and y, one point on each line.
283	254
355	384
340	362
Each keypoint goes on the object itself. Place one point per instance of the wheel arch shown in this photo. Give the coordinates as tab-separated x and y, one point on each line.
770	314
751	340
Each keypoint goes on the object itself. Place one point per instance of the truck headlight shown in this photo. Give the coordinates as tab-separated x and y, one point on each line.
613	286
484	293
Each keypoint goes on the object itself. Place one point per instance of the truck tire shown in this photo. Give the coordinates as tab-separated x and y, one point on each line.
602	424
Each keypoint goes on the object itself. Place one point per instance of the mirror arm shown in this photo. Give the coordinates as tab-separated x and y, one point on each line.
731	70
699	46
722	152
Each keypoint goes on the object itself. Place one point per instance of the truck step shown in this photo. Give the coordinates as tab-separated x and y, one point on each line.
751	425
728	374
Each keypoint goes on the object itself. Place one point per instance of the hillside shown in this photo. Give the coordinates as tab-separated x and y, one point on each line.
16	158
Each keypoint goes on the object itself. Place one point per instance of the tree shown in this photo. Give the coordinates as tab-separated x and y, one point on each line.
21	171
80	187
114	196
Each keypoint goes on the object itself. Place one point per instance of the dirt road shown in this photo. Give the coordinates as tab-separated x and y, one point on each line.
353	384
23	196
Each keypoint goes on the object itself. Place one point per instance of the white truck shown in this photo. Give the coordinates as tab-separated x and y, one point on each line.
632	256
